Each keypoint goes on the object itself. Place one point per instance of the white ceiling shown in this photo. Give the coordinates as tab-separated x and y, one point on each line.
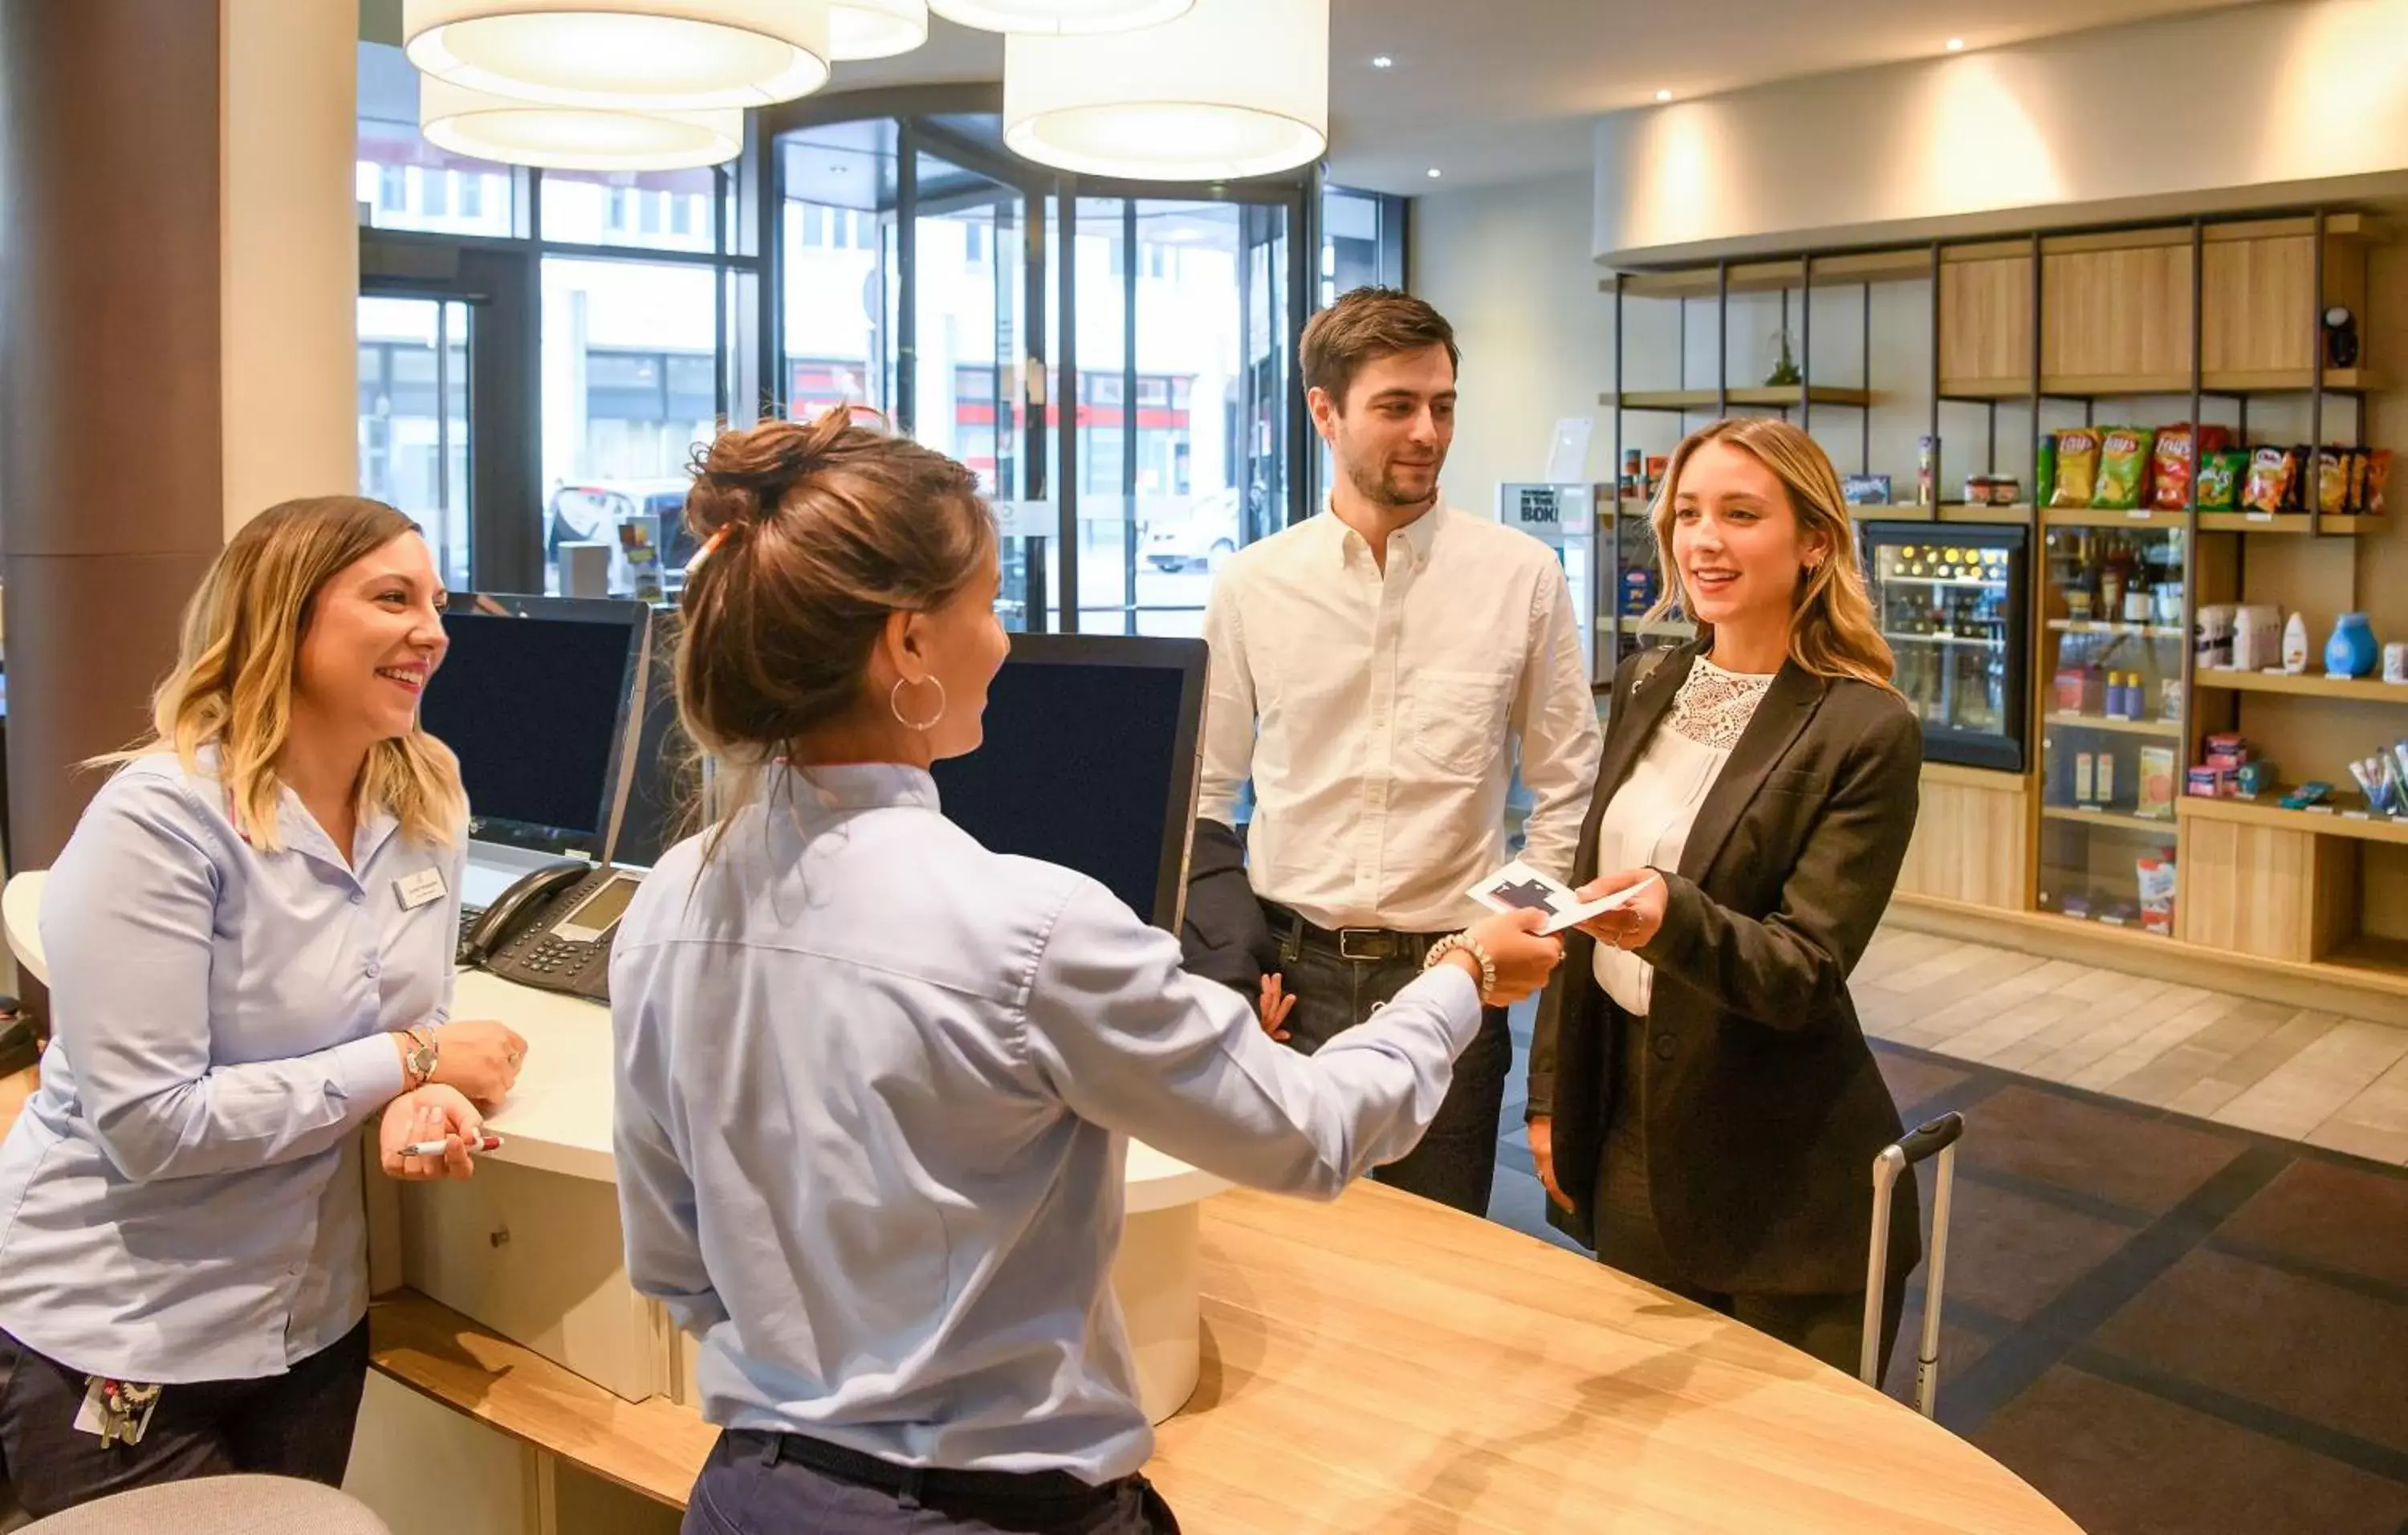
1503	90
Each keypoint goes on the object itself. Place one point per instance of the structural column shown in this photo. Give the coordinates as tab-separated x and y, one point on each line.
175	300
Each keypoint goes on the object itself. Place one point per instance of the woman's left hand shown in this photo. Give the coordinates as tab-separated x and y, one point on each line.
426	1116
1634	924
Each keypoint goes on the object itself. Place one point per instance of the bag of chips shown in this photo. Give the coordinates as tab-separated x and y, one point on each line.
2077	467
2378	472
2178	448
2219	481
2332	487
2268	487
2123	467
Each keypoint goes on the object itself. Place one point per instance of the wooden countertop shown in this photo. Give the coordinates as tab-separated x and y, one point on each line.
1385	1366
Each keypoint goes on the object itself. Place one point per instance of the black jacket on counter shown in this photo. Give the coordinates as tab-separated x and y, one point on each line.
1764	1108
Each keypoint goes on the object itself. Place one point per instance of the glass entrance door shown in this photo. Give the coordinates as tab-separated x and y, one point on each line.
414	431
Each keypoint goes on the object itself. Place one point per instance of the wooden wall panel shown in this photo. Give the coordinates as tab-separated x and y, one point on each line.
2257	312
1971	840
1985	322
2109	314
2266	890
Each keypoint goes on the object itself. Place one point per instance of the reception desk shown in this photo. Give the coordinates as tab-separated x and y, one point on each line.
1377	1365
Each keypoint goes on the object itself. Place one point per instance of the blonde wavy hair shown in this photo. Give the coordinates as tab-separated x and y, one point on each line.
1833	633
240	652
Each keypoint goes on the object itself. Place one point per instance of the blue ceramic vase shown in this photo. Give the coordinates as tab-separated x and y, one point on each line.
2351	652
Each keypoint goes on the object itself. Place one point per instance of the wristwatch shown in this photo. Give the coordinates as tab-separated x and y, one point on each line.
419	1058
1472	946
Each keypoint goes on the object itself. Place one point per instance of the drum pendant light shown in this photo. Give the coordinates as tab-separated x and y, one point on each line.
526	133
651	55
876	29
1059	16
1234	88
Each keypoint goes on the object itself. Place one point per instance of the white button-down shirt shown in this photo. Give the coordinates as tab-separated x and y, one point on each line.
874	1089
180	1199
1378	714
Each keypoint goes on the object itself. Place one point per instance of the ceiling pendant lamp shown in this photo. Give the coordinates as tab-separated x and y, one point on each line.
876	29
1060	17
1234	88
525	133
651	55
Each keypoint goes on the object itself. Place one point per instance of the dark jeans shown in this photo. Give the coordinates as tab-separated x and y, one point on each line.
298	1423
1455	1163
762	1484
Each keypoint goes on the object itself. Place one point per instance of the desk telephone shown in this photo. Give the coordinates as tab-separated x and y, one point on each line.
552	929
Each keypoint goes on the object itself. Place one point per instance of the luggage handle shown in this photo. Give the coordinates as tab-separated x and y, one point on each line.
1935	1138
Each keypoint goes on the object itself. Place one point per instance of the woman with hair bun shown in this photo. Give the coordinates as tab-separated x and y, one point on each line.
875	1083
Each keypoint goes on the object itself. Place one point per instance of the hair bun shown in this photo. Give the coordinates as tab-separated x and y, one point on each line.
745	474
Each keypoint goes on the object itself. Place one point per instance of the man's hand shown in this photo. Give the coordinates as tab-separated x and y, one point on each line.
1273	1006
1542	1154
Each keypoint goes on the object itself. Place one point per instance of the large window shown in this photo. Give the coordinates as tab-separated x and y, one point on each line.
617	366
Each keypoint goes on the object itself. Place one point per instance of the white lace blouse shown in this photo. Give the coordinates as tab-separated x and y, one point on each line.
1647	821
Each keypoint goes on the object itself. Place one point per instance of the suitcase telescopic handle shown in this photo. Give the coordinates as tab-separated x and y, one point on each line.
1934	1137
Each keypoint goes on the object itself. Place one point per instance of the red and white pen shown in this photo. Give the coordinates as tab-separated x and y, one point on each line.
435	1148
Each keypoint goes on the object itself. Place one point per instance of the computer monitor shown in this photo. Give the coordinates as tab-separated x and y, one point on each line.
666	775
540	698
1090	761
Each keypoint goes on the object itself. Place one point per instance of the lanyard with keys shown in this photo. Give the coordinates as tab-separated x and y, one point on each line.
118	1411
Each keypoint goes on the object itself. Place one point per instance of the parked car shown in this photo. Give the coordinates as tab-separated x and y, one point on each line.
1198	540
593	512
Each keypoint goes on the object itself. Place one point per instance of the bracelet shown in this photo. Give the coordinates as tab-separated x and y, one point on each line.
1472	946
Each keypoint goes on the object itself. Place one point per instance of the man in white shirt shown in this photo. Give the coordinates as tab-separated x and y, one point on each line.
1376	670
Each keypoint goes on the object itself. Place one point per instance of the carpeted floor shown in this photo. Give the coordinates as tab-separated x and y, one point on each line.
2168	1326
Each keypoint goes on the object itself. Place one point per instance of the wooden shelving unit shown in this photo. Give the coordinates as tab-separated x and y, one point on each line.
1788	397
2105	517
2153	825
2313	684
2118	630
2303	523
2347	816
2226	384
2168	729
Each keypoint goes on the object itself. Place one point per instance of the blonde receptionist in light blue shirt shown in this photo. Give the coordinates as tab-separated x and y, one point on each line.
249	940
875	1083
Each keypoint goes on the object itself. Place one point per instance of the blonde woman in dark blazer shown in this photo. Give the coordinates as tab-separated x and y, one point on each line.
1704	1109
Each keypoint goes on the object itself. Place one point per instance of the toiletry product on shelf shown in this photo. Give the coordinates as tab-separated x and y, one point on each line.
2212	634
2295	644
2256	637
2351	652
2201	781
2169	698
2369	774
2252	778
2085	776
2316	792
2103	783
2158	885
2156	788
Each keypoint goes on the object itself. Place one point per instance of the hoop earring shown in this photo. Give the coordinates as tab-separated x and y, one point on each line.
895	703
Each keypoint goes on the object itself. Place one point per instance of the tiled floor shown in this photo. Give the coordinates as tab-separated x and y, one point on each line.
2334	1081
2163	1309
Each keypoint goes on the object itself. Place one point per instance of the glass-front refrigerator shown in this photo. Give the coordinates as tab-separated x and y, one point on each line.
1950	599
2112	759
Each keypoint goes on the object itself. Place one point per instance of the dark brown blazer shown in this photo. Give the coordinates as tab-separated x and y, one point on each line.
1763	1109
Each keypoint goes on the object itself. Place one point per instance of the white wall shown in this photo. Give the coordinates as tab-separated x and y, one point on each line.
1509	266
2254	105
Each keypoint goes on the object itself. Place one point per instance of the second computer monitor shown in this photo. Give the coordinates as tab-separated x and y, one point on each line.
539	697
1090	762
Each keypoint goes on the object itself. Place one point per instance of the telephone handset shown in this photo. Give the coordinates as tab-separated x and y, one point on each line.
552	929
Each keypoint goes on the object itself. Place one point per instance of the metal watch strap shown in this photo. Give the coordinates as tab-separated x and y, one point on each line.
1464	941
419	1061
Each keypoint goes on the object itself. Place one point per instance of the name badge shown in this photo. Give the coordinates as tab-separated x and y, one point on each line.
416	890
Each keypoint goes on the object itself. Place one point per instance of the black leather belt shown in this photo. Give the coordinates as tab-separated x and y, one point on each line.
1360	945
1059	1493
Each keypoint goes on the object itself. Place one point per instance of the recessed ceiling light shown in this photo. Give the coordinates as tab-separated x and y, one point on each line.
1434	173
1663	95
1956	45
1383	62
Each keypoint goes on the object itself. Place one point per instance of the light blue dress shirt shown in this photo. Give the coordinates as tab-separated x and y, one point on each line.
180	1201
874	1090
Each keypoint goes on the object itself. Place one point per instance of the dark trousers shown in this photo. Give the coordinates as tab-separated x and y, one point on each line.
298	1423
764	1484
1455	1163
1831	1327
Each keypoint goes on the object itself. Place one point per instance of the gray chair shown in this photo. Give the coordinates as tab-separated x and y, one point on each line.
219	1505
